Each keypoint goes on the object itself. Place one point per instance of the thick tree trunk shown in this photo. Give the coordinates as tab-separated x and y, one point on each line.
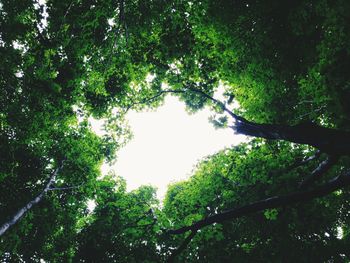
29	205
331	141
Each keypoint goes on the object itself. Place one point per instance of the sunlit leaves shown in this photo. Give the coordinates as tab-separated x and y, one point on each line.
281	62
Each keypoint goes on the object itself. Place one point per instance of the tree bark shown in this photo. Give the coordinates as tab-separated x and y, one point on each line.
331	141
21	212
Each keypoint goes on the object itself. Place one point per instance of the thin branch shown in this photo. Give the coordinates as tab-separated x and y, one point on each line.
21	212
272	202
151	99
122	21
309	159
162	92
147	225
297	163
182	247
65	15
135	224
310	112
320	170
146	100
65	188
219	103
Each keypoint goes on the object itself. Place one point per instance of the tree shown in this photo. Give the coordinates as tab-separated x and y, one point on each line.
122	226
236	178
285	65
29	205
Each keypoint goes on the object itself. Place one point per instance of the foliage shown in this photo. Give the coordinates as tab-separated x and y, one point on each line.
242	175
122	227
65	62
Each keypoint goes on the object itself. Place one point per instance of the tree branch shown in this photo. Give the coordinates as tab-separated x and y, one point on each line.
65	188
122	21
182	247
305	161
321	169
150	99
272	202
331	141
17	216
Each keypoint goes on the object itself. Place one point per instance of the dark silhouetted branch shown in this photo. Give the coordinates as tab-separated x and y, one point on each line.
272	202
331	141
152	98
320	170
182	247
305	161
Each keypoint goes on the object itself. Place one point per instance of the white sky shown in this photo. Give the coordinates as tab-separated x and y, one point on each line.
167	144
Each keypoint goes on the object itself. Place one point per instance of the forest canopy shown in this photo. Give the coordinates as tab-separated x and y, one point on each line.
283	196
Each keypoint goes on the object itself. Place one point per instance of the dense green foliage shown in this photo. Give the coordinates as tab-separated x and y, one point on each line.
65	62
242	175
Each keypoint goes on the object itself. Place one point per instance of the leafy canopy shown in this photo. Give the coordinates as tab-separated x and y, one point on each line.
284	66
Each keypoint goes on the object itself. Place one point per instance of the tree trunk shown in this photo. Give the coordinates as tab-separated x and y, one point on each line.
17	216
331	141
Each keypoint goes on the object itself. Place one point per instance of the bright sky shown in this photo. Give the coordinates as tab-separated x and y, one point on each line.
167	144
